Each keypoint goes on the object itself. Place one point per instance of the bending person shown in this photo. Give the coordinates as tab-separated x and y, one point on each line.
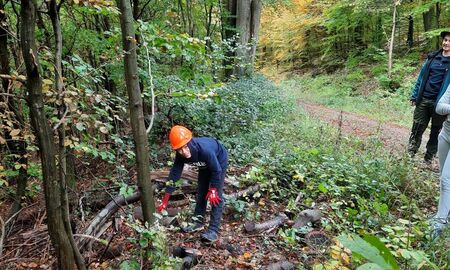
211	158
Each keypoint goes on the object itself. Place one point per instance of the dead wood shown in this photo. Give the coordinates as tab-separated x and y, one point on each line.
104	215
248	191
305	216
282	265
252	227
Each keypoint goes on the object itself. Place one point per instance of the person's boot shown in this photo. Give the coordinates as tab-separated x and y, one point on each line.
209	236
193	227
428	158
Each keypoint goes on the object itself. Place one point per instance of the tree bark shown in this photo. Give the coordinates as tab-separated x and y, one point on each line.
136	111
58	235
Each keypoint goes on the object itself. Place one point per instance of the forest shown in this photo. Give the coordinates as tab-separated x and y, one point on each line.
310	99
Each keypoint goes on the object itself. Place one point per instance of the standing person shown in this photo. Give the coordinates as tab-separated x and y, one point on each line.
212	160
440	219
430	86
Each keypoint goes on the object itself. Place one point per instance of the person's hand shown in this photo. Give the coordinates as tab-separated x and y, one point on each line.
164	202
413	102
213	196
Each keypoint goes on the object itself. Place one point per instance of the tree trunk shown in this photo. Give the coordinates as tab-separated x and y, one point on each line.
243	17
410	31
429	24
391	41
65	215
136	112
256	9
228	32
57	231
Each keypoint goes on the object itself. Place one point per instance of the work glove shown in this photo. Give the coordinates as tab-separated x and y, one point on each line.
213	196
164	202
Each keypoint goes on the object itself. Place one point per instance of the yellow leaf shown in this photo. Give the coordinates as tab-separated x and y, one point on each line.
47	81
345	259
2	140
67	142
14	132
247	255
2	168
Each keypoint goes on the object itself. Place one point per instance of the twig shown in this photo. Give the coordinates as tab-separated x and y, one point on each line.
3	226
101	241
152	87
80	203
61	120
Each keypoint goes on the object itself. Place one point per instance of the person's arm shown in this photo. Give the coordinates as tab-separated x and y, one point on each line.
415	89
174	176
214	183
443	105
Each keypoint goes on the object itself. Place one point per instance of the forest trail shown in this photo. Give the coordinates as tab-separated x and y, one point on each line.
393	136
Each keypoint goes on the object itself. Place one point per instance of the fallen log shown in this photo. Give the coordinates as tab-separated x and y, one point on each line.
283	265
248	191
252	227
104	215
306	216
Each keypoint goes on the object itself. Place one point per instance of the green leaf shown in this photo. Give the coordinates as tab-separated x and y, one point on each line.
370	266
385	252
143	242
322	188
364	249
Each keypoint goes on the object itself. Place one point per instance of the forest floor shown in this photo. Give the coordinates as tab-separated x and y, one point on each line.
236	249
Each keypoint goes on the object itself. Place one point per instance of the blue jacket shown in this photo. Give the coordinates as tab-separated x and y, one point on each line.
206	154
419	87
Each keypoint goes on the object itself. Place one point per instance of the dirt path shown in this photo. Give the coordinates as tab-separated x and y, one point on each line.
392	135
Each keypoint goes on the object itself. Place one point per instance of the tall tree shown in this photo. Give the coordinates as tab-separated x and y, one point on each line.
54	9
136	110
65	252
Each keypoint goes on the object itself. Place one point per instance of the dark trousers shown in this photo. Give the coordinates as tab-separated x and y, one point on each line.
423	113
204	176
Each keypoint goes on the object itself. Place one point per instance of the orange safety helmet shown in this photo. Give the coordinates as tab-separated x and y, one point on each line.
179	136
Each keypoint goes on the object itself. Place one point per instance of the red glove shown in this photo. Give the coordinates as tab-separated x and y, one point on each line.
164	202
213	196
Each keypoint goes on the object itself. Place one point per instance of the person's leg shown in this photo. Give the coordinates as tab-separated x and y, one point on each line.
444	167
420	123
436	126
202	190
439	221
216	211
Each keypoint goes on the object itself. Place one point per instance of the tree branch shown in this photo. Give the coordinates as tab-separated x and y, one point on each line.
19	78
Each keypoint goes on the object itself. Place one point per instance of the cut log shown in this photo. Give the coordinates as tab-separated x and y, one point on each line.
248	191
252	227
305	216
283	265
